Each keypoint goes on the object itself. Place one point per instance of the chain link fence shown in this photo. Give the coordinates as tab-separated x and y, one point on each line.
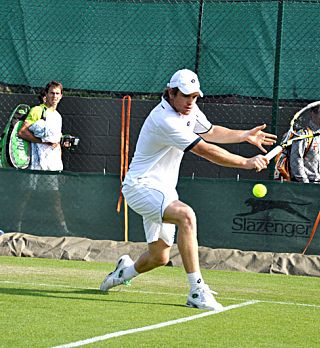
258	62
253	58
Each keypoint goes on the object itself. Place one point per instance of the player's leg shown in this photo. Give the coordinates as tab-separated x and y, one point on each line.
59	212
147	202
21	211
157	255
183	216
160	237
51	182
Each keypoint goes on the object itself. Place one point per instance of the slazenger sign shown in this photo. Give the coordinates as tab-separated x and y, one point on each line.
286	219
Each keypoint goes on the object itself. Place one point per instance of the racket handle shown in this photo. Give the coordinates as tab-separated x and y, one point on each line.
273	153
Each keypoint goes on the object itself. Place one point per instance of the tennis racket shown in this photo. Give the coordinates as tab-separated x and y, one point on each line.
299	121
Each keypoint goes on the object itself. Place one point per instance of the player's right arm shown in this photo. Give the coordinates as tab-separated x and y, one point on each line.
222	157
35	114
25	133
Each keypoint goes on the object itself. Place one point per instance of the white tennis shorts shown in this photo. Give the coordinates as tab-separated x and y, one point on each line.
151	203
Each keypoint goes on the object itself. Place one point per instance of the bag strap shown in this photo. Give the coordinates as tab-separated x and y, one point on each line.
44	109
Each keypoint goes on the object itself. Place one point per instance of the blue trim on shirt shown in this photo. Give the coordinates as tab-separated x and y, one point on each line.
192	145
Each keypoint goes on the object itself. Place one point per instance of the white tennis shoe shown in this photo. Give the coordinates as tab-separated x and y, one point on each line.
202	298
115	278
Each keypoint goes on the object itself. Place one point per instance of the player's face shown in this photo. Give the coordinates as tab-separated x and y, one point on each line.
183	103
53	96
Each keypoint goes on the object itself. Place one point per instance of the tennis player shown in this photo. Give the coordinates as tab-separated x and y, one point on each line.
173	127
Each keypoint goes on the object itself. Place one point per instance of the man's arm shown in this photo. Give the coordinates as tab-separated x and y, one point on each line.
25	134
222	157
255	136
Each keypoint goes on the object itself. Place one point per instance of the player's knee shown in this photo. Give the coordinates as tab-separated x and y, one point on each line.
188	216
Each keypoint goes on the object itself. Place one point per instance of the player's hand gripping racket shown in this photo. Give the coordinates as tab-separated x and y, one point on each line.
299	121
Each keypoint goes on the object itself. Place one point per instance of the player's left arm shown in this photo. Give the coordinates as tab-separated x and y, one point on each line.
255	136
222	157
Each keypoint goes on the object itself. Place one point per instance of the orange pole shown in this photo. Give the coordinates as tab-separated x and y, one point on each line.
122	151
124	156
315	226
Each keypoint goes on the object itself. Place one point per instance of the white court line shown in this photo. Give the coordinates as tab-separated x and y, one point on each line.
156	293
276	302
152	327
47	285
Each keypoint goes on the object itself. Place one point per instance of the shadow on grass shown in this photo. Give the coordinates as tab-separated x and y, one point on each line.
72	295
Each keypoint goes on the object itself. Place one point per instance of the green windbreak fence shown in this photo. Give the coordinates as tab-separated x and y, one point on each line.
265	49
258	61
229	216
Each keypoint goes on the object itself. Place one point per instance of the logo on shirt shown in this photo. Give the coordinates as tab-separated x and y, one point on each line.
188	123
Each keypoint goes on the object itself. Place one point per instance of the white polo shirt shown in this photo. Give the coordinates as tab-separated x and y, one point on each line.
164	137
44	156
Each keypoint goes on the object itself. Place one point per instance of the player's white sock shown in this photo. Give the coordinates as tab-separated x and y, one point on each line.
195	279
130	272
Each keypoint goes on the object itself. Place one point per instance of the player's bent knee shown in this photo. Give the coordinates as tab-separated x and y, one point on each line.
188	216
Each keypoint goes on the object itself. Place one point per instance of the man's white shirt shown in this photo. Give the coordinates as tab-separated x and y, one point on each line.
44	156
164	137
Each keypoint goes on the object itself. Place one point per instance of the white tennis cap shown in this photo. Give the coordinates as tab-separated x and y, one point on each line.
187	82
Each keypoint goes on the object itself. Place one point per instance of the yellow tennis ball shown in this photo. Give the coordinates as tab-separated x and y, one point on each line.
259	190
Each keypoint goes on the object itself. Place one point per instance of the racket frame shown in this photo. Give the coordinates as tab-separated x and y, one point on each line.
288	142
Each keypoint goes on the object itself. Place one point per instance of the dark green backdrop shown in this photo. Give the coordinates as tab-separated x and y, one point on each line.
228	214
